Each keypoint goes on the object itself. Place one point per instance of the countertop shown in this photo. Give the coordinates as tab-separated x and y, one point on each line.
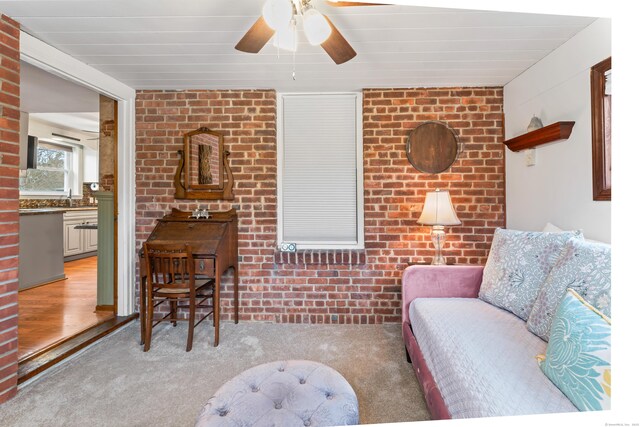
53	210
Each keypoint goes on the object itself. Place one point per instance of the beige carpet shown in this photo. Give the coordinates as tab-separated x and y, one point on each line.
114	383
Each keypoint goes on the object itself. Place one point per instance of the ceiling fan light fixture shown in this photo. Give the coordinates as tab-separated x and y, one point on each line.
287	38
316	27
277	13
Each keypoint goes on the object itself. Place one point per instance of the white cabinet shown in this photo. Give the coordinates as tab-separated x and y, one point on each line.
78	239
90	173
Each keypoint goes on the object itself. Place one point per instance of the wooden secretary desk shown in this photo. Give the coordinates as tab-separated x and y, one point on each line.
214	244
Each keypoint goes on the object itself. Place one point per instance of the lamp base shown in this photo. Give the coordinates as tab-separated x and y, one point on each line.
438	260
438	237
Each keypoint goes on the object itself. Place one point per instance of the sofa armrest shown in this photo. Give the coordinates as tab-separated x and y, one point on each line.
439	281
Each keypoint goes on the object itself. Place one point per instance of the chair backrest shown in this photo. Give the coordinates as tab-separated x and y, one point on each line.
169	265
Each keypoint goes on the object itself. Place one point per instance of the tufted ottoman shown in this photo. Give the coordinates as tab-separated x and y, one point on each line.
286	393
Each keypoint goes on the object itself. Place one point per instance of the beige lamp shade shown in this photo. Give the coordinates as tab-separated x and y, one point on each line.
438	210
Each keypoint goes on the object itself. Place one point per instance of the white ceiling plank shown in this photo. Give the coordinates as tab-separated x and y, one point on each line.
221	41
257	60
370	22
242	69
320	73
269	53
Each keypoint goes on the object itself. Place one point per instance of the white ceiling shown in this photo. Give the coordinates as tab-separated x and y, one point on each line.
170	44
42	92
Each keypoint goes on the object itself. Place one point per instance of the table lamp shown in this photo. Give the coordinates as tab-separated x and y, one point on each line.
438	212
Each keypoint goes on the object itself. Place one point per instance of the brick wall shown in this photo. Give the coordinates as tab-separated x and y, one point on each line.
9	160
330	286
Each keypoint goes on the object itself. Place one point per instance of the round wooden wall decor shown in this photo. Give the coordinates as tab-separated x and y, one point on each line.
432	147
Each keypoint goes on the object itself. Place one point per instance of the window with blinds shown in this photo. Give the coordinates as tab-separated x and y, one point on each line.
320	179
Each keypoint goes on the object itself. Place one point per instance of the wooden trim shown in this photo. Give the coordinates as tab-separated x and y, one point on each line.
106	307
57	352
115	209
601	191
555	132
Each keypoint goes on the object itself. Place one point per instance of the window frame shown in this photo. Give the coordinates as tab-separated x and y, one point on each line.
324	245
72	175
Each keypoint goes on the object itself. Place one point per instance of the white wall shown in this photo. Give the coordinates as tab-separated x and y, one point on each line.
558	188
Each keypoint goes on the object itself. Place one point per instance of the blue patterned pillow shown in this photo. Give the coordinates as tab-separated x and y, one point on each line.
583	266
518	264
578	358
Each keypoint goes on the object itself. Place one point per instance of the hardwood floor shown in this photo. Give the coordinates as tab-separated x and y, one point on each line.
55	312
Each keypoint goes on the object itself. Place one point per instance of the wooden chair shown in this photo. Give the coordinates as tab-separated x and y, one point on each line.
171	278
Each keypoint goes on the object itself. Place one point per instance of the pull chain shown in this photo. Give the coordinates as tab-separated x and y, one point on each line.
294	65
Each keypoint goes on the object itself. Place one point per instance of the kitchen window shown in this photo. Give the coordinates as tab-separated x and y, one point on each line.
320	175
54	174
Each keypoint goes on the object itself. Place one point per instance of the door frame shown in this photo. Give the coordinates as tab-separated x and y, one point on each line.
54	61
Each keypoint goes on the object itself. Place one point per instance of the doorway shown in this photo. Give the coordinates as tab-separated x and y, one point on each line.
68	187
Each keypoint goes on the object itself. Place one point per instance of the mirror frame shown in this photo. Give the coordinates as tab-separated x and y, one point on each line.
222	191
601	156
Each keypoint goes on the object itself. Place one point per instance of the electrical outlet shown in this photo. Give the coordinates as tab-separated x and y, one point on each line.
530	157
288	247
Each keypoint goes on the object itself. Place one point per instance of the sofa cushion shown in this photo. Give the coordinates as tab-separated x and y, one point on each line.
578	358
483	359
582	266
518	264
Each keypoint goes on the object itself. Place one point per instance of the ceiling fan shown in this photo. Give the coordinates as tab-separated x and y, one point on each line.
279	19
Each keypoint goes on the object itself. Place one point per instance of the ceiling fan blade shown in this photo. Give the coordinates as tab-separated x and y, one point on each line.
351	3
257	36
337	46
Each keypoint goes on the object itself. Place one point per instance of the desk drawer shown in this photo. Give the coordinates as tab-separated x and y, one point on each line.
204	266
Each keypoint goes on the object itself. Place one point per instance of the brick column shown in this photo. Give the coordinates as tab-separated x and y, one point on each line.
9	160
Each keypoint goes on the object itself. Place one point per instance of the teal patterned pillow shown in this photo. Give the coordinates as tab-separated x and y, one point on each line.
578	358
584	267
518	264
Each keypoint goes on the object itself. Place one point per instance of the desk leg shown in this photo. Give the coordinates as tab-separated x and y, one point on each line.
143	307
216	305
236	297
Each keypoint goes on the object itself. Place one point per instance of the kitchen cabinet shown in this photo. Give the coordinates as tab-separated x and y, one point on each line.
90	173
80	236
41	260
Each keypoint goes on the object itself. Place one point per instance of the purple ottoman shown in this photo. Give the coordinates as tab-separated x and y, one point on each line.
285	393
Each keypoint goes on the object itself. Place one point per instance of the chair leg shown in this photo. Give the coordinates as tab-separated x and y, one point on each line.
174	312
216	308
236	297
192	318
143	308
149	320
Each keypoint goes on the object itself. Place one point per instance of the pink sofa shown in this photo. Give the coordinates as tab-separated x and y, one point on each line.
434	282
472	359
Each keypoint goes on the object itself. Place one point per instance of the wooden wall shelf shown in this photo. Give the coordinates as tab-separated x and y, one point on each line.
556	132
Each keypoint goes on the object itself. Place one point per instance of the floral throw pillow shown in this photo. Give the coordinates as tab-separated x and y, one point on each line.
578	357
518	264
584	267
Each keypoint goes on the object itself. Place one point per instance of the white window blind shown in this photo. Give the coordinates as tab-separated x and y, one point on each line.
320	170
